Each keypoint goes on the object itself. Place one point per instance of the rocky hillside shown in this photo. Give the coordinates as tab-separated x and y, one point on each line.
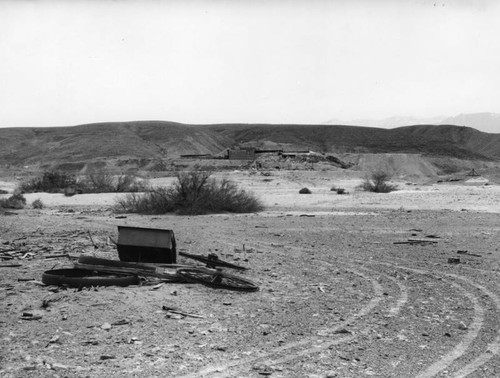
166	140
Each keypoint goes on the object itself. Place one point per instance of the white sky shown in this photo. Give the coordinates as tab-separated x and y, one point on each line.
74	62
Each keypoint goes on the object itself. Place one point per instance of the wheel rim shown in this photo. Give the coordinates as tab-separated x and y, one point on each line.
217	279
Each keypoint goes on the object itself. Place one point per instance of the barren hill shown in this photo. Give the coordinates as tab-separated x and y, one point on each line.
443	140
165	140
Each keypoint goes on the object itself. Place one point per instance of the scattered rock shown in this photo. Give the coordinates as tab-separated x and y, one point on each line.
106	357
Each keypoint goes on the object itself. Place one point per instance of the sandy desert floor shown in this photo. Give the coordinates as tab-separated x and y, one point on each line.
342	293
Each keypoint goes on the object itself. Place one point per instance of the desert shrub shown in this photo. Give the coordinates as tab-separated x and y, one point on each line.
305	191
128	183
70	191
16	201
100	182
103	182
377	182
49	182
155	201
338	190
194	193
37	204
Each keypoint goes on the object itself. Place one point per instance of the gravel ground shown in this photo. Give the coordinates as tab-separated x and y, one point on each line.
343	293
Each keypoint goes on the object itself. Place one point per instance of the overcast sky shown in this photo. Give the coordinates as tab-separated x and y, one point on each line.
74	62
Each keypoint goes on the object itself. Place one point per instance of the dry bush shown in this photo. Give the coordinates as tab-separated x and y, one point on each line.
104	182
49	182
378	182
16	201
338	190
305	191
97	182
37	204
195	192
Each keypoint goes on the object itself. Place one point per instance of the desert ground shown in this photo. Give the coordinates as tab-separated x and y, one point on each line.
343	291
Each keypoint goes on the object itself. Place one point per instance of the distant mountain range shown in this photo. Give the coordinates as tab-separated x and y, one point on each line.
486	122
145	141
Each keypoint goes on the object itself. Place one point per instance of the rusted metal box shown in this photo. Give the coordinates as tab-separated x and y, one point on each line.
146	245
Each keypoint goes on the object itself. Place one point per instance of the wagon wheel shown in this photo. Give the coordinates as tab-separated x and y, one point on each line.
217	279
212	261
85	278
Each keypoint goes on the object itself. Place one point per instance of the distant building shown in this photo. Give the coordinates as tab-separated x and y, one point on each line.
244	153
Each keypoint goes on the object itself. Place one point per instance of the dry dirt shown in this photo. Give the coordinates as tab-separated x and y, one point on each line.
342	293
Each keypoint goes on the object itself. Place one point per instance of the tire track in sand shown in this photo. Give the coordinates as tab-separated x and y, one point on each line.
309	345
473	330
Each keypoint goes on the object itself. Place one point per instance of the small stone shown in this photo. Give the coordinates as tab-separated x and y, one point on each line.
57	365
106	326
106	357
54	339
342	330
462	326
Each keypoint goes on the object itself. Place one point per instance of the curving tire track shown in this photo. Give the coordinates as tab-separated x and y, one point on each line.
493	348
473	330
450	360
312	345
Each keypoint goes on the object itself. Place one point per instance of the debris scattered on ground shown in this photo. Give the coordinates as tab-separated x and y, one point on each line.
173	310
28	315
465	252
106	357
53	340
156	287
416	241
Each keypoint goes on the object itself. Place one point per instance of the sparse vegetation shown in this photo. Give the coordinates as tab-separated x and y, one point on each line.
195	192
37	204
50	182
98	182
16	201
378	182
102	182
305	191
338	190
